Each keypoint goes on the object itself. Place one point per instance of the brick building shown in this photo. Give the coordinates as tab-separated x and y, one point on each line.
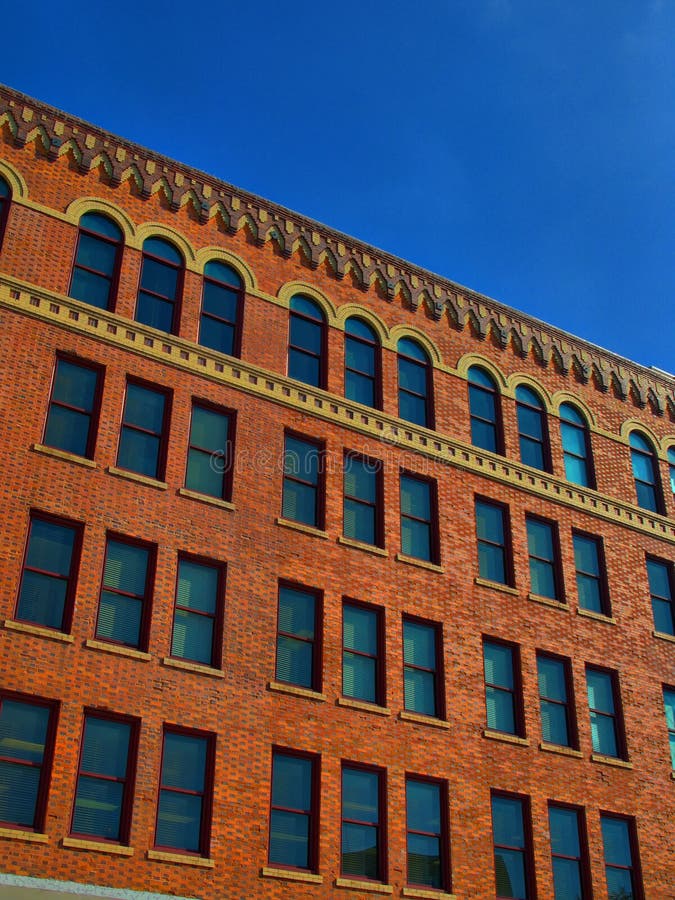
322	576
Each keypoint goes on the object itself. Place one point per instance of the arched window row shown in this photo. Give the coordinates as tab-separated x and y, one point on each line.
5	198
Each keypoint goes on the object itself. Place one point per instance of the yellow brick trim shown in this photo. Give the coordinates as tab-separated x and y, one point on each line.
291	288
425	894
117	650
299	526
206	498
598	617
468	360
32	836
97	846
291	875
219	254
187	666
506	738
420	719
419	563
351	310
496	586
359	545
15	180
547	601
63	454
372	887
611	761
563	751
170	350
120	217
363	706
161	230
280	687
37	631
416	334
182	859
134	476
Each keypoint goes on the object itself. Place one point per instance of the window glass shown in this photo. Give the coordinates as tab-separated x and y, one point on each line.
553	700
360	500
360	653
508	831
660	575
575	442
161	272
425	833
531	428
566	853
306	340
99	244
491	542
671	466
361	839
644	473
24	735
70	418
48	579
182	794
291	814
361	363
416	529
300	501
543	559
296	637
221	303
124	599
483	410
499	687
142	436
669	705
195	616
590	574
413	383
419	667
603	712
619	872
209	457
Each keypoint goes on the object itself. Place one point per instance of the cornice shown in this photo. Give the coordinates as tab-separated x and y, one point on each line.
60	133
64	312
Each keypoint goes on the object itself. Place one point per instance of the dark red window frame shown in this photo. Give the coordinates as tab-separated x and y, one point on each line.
434	543
240	291
569	704
69	603
444	845
527	848
507	546
542	439
316	642
318	320
438	672
129	779
114	278
375	467
176	300
379	657
163	434
46	765
477	386
206	794
374	345
314	814
381	825
427	366
95	412
583	859
320	486
5	203
555	562
616	716
227	460
601	578
635	868
146	599
516	691
217	616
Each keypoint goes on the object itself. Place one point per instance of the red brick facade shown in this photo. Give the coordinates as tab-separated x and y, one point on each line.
239	703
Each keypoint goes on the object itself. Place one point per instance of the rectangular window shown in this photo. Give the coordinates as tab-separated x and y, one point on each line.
568	853
73	408
362	676
422	668
303	482
555	700
184	806
591	578
197	623
669	706
49	576
27	729
418	514
294	814
298	637
126	592
661	588
512	846
493	550
105	778
621	862
502	692
545	570
604	706
362	823
426	821
209	463
362	503
143	437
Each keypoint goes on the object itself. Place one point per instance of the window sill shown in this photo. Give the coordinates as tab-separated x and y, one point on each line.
662	635
597	617
496	586
117	650
374	887
507	738
363	706
206	498
427	893
291	875
296	691
547	601
38	631
98	846
182	859
34	837
561	749
421	719
611	761
134	476
360	545
421	563
298	526
65	455
192	667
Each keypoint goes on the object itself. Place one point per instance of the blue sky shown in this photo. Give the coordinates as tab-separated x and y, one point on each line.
525	148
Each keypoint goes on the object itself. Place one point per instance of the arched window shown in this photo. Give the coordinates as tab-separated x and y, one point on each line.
362	364
414	384
160	287
5	197
307	342
97	261
576	446
486	429
645	472
671	466
220	326
532	432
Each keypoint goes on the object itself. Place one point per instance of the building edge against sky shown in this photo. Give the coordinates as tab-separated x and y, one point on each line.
322	576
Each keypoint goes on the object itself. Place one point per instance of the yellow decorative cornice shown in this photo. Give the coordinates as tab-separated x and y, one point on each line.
114	330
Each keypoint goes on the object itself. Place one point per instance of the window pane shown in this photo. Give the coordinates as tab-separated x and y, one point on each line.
292	782
179	821
93	253
419	644
192	637
220	301
423	806
586	555
590	597
424	860
295	661
567	879
492	563
500	711
416	539
616	841
68	430
412	377
159	278
415	498
50	547
126	567
554	724
359	522
484	435
144	408
360	356
490	522
105	747
204	473
101	225
98	808
539	539
197	586
532	453
574	440
551	674
359	850
304	368
564	831
360	629
90	288
209	429
510	873
299	503
498	665
412	409
184	761
119	619
360	795
289	839
154	312
576	471
75	385
42	600
360	388
420	692
23	731
359	677
600	691
217	335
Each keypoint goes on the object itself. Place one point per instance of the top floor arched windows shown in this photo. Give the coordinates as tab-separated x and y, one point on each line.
362	364
160	286
486	427
222	303
645	472
576	446
532	429
97	261
5	197
307	342
414	384
671	467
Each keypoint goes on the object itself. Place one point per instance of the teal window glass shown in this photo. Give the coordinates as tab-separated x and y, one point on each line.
575	444
71	420
25	750
503	713
362	842
104	780
420	668
543	556
301	497
511	852
160	285
184	793
361	508
297	638
210	461
484	410
414	384
362	363
222	300
590	574
306	342
292	819
603	709
197	613
532	434
660	576
47	587
125	594
99	246
417	532
669	706
492	546
643	460
361	677
554	702
618	841
425	833
143	434
569	877
671	467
